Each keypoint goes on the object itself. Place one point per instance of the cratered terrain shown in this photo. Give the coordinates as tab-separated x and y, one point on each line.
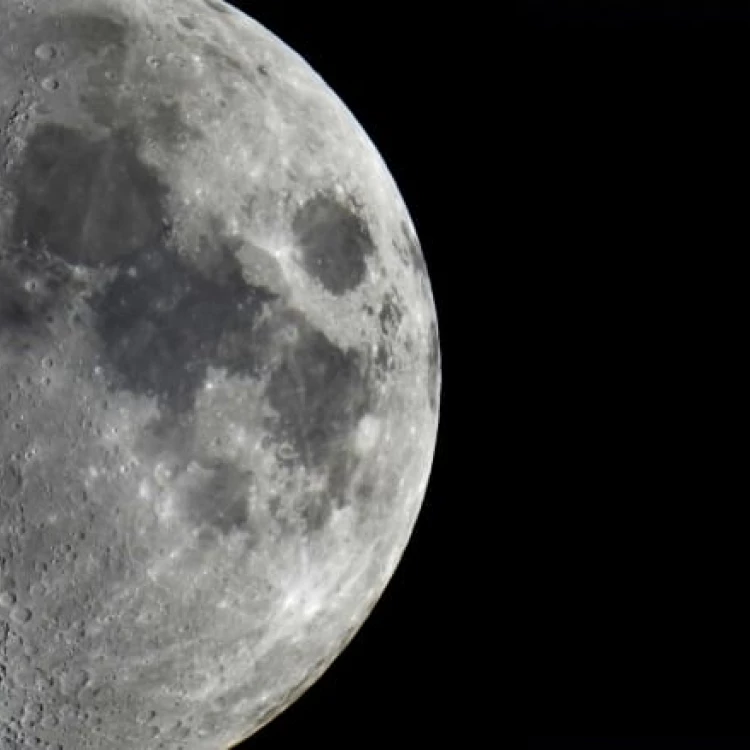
219	375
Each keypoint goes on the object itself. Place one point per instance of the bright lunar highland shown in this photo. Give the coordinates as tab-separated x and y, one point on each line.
219	375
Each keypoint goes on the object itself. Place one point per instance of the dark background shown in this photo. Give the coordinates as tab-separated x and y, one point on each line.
637	743
630	187
392	685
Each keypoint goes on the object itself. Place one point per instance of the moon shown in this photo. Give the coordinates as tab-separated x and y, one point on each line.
220	375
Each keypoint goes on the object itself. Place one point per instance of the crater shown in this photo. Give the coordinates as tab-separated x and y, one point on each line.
382	360
34	287
334	244
46	52
77	33
390	315
102	40
111	97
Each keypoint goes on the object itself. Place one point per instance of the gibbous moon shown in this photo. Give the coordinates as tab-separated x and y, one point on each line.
219	375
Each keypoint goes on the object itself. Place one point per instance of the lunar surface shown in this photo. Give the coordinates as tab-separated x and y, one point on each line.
219	375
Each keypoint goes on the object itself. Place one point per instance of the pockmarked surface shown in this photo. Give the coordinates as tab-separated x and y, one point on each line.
219	375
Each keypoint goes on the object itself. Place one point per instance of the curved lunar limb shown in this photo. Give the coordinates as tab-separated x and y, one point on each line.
219	375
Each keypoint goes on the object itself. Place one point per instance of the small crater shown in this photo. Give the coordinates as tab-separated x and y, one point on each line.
38	590
7	599
145	716
382	361
20	615
50	84
46	52
73	681
180	731
391	315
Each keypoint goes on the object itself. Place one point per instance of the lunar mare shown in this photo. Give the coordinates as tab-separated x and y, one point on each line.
219	375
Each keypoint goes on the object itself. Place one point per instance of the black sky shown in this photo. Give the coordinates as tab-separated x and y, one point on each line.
632	192
638	742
